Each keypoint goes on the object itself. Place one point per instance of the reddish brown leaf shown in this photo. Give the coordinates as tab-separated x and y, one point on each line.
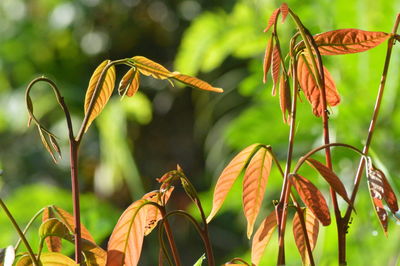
254	184
330	177
68	220
53	243
195	82
228	177
276	67
347	41
285	100
267	57
272	19
284	10
308	84
261	237
125	244
129	83
312	227
377	191
389	195
313	198
153	215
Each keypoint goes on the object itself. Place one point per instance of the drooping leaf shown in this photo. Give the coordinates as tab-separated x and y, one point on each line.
312	227
262	236
377	191
285	11
125	244
272	19
129	83
254	185
68	220
276	67
389	195
150	68
53	243
313	198
267	58
104	93
308	83
285	100
332	179
55	145
195	82
46	143
347	41
54	227
228	177
51	258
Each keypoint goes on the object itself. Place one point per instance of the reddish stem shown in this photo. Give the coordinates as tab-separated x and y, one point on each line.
75	198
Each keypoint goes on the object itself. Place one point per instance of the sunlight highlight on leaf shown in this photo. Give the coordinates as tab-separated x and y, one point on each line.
276	67
228	177
254	185
129	83
272	19
348	41
104	93
125	244
53	243
308	84
285	100
312	227
148	67
195	82
262	237
267	58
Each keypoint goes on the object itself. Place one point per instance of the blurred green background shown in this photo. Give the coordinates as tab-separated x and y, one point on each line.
138	139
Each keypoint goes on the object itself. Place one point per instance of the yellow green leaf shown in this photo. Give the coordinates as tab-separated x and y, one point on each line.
103	95
150	68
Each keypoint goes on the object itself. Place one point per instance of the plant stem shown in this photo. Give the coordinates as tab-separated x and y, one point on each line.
170	237
20	233
28	226
74	147
281	207
371	130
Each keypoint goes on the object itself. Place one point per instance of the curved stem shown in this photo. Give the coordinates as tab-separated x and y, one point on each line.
241	261
168	231
20	233
202	233
374	119
27	227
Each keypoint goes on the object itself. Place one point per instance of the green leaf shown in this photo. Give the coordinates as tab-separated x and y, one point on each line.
51	258
199	262
54	227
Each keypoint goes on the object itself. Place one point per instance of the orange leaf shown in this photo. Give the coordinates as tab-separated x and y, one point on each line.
332	179
267	58
308	84
153	215
284	10
377	191
254	184
101	99
262	236
129	83
312	227
313	198
285	100
195	82
229	175
68	220
53	243
272	19
276	67
150	68
389	195
348	41
125	244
